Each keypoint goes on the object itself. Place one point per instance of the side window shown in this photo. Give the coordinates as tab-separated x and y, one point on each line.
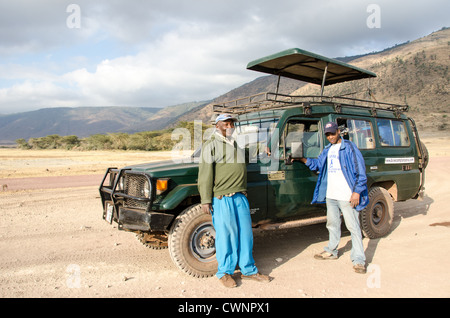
392	133
305	131
358	131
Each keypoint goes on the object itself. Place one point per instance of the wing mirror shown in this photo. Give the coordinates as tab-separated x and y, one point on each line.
296	152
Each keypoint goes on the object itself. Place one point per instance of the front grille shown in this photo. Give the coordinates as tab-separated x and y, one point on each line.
132	203
137	186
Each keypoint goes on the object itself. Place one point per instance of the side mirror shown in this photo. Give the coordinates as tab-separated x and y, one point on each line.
296	150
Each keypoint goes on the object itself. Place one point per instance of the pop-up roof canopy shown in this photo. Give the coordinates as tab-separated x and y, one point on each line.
309	67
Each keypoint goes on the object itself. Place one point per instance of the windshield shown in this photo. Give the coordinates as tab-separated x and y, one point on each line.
251	134
255	134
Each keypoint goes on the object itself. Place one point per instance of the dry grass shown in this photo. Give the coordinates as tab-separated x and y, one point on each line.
15	163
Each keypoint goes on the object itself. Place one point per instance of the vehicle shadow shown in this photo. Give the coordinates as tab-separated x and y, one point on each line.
274	248
411	208
402	210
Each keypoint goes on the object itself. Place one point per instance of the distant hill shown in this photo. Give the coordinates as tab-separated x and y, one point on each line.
86	121
416	73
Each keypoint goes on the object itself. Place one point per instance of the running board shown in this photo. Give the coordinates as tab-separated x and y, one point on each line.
292	224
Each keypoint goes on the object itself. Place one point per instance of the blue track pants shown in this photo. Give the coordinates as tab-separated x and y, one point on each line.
234	235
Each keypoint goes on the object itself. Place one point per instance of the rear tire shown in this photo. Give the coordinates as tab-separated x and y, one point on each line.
191	243
376	219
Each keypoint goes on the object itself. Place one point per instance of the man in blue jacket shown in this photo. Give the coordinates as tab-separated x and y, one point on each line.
342	185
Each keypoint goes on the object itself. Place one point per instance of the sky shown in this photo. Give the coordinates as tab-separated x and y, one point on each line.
157	53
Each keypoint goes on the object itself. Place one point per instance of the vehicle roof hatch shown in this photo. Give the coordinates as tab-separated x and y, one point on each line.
309	67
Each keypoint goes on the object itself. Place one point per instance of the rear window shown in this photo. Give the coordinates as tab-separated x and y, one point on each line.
358	131
392	133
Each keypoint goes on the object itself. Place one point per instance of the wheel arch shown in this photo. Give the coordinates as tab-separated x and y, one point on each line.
389	185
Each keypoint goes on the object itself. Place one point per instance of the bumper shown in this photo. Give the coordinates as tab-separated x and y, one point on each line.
138	220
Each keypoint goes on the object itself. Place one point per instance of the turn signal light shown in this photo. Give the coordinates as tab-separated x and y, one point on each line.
161	185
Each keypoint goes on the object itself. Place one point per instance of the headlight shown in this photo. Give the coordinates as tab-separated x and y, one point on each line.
121	183
146	189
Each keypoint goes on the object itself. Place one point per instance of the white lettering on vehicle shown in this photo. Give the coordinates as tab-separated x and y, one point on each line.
399	160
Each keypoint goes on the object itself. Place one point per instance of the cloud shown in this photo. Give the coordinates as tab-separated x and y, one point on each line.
158	53
155	75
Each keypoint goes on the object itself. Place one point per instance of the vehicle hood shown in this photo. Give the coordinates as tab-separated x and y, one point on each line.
168	168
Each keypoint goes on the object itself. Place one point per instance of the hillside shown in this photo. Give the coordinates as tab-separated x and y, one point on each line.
86	121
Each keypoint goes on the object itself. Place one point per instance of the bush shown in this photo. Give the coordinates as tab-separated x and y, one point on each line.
96	142
146	140
70	142
22	144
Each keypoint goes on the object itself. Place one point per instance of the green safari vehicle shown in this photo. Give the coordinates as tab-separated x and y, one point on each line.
160	201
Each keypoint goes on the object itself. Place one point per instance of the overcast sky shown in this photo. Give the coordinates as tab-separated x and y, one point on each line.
157	53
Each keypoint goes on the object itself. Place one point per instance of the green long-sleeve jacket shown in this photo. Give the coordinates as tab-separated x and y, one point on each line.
222	168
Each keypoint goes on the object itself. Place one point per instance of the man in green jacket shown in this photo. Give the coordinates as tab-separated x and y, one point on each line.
222	183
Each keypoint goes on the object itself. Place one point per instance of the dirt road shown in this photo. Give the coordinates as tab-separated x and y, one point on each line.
54	243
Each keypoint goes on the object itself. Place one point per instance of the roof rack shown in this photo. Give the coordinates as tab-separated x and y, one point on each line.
271	101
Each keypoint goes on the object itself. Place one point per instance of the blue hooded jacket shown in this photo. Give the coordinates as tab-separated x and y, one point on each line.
353	168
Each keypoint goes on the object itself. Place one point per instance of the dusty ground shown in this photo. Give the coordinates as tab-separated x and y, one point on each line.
54	243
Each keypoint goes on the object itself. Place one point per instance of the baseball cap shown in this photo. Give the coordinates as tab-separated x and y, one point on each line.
331	127
223	117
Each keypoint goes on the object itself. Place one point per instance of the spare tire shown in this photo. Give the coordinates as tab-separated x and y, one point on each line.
425	155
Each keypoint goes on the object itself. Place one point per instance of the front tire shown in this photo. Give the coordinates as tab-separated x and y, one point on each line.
376	218
155	241
191	243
